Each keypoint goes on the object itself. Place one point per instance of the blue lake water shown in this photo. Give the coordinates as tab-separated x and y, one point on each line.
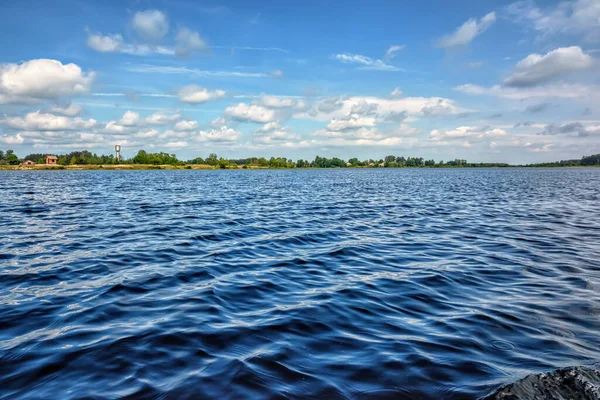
408	283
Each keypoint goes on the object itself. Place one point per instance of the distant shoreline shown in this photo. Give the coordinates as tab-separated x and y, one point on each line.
150	167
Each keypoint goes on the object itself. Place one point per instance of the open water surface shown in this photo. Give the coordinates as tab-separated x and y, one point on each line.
295	284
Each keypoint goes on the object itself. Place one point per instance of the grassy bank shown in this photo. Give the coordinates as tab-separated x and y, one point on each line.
109	167
142	167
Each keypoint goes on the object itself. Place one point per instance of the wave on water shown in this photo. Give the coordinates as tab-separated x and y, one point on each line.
351	284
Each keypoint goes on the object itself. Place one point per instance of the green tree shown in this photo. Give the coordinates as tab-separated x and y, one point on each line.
212	159
11	158
223	163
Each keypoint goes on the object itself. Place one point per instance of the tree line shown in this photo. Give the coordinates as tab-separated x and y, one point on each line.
391	161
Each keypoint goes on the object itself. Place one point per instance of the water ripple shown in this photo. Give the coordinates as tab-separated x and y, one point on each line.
356	284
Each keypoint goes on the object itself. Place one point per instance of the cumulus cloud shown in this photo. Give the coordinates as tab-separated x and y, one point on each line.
350	122
151	25
188	42
162	118
466	132
70	110
250	113
194	94
271	126
221	134
114	43
330	108
16	139
393	50
186	126
274	133
39	79
364	108
113	127
365	62
146	134
396	93
535	68
176	145
281	102
395	116
330	105
436	110
130	118
38	121
105	44
468	31
402	135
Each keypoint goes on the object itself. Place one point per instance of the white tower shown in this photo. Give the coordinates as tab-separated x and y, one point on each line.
118	152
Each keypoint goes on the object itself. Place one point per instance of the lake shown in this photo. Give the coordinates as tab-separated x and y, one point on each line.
354	283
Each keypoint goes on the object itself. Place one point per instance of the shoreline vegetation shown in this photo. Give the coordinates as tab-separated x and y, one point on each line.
85	160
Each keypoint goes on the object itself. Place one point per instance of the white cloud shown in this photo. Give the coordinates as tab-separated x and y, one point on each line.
362	107
194	94
562	90
391	52
113	127
162	118
186	126
105	44
402	135
176	145
250	113
41	79
156	69
218	122
71	110
396	93
271	126
579	17
281	102
38	121
351	122
151	25
408	106
221	134
468	31
130	118
277	73
536	68
188	42
146	134
114	43
276	137
16	139
466	132
366	62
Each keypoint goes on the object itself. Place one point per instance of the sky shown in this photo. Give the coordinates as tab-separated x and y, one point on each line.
486	81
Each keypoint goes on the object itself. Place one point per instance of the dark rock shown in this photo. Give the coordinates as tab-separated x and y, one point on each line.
576	383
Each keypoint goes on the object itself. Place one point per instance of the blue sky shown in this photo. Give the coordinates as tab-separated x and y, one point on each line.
485	81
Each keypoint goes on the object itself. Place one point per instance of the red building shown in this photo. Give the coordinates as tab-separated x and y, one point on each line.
51	160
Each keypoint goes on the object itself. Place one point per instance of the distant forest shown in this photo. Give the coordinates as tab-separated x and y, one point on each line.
142	157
